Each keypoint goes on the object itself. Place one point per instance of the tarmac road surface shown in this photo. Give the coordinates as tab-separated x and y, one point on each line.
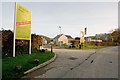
92	63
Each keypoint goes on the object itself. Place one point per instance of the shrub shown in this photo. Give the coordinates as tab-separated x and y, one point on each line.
22	46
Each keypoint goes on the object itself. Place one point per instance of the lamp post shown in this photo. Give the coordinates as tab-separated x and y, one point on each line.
51	47
42	42
85	36
60	29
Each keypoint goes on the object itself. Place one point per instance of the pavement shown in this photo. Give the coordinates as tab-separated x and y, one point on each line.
93	63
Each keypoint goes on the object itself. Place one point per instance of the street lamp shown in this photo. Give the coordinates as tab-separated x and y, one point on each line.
60	29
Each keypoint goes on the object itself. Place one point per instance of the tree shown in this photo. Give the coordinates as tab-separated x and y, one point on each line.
116	36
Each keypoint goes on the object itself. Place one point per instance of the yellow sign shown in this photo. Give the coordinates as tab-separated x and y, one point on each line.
23	23
82	37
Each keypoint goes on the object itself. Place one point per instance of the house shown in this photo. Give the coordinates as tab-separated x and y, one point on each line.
44	41
93	39
38	40
62	39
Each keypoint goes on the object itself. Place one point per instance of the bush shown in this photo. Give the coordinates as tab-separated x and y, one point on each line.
22	46
22	50
7	43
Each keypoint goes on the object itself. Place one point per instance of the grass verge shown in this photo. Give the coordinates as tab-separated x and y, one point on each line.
23	63
93	47
89	47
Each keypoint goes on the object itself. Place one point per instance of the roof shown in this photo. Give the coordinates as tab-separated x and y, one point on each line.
77	38
58	36
68	36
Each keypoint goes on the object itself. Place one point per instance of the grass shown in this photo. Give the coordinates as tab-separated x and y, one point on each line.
26	62
93	47
89	47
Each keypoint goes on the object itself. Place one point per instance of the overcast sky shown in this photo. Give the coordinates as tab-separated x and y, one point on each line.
73	17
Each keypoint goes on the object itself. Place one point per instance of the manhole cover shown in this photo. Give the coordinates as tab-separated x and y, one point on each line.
110	61
72	58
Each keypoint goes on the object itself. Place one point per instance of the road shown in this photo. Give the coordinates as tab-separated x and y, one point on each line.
95	63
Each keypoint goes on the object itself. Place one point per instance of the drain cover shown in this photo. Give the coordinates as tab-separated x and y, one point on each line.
72	58
110	61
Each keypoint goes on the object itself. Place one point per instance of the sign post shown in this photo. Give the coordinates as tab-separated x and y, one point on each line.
22	25
14	31
30	45
82	38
